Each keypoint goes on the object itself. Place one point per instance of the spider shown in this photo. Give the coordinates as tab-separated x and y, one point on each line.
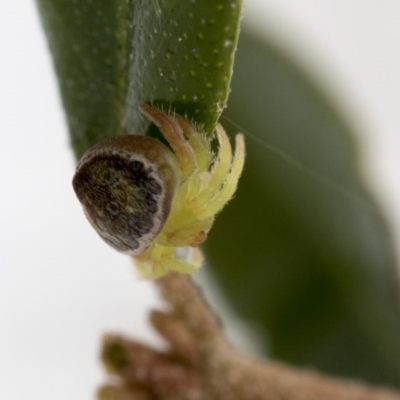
153	203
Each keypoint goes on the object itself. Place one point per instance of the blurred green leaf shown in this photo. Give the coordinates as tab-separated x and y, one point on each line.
112	55
310	263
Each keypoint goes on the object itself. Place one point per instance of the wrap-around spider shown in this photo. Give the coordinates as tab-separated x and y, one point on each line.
153	203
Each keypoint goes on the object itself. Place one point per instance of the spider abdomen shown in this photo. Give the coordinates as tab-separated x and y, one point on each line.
126	185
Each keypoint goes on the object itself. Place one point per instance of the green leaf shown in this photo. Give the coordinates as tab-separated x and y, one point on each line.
304	251
183	56
88	41
112	55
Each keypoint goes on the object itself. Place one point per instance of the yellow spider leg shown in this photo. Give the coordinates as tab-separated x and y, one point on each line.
154	262
174	135
163	259
182	227
219	171
221	198
199	143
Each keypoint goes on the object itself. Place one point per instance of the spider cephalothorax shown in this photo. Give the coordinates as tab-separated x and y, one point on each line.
153	203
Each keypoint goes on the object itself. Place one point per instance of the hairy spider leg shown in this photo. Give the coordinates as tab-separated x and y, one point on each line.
174	135
216	204
158	260
199	143
219	172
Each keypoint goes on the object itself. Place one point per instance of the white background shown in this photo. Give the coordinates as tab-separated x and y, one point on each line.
60	288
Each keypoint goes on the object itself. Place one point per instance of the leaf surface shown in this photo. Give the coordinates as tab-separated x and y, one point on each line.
112	55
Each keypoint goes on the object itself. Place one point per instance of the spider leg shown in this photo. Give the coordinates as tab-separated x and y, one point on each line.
154	262
216	204
172	131
199	143
219	171
162	259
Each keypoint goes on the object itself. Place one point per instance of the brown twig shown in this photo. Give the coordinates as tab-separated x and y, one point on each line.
202	365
